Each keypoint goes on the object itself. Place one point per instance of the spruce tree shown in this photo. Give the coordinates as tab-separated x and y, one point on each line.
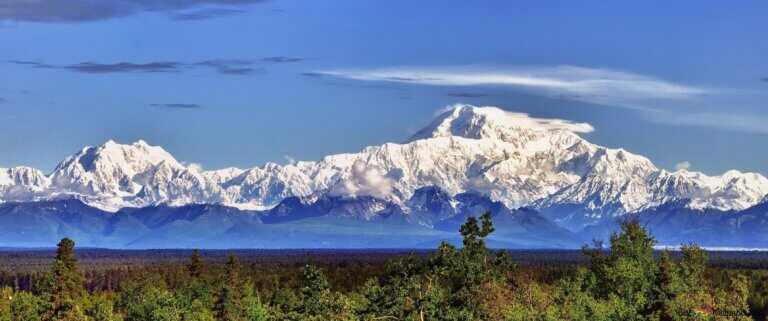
229	303
196	264
67	285
314	293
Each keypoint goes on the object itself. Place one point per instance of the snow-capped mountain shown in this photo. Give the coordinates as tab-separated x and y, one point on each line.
510	157
112	176
21	182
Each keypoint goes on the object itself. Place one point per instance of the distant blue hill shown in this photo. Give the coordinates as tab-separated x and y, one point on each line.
427	218
423	221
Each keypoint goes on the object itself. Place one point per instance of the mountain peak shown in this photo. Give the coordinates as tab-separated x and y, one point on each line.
138	153
489	122
110	169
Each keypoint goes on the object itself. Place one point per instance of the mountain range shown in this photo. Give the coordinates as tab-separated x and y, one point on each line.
545	185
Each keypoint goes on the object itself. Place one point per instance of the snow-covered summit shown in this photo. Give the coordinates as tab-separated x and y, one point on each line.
111	168
511	157
492	123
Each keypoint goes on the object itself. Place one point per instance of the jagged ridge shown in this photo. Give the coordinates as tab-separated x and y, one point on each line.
511	157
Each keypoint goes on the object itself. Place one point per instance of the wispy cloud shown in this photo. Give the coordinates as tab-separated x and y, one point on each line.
206	13
658	100
222	66
312	74
685	165
98	68
594	85
177	105
468	95
281	59
195	167
57	11
230	67
745	122
32	64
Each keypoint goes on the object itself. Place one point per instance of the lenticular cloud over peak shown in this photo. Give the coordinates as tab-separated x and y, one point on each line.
492	122
521	120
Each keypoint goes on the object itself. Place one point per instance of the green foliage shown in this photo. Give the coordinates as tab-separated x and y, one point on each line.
473	282
409	292
731	302
6	296
196	264
67	285
196	311
254	310
195	291
100	309
469	283
27	307
473	272
682	287
315	292
625	276
153	305
230	305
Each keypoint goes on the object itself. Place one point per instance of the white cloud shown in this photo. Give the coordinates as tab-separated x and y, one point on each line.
685	165
691	105
518	119
195	167
525	120
290	159
575	83
364	180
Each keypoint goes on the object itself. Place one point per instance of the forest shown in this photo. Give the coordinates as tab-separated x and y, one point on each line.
625	279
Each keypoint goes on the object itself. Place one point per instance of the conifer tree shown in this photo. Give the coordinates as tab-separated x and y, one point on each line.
67	285
314	293
196	264
229	304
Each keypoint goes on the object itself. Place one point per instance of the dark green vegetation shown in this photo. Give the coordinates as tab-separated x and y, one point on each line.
472	282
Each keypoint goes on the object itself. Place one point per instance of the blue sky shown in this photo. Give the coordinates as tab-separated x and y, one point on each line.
240	83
